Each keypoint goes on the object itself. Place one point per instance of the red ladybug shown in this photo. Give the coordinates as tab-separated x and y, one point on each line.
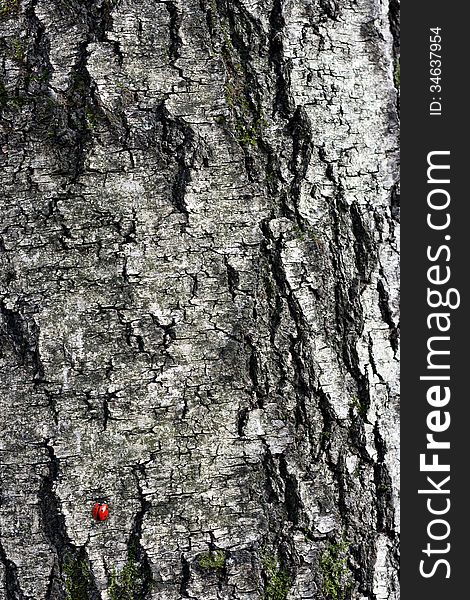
100	511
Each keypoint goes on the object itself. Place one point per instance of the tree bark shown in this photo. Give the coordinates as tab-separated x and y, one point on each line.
199	299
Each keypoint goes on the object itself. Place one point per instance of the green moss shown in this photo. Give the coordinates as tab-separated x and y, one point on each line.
299	233
17	49
40	77
248	134
249	119
77	578
212	560
337	583
278	581
127	584
359	406
305	233
221	119
18	101
90	117
8	8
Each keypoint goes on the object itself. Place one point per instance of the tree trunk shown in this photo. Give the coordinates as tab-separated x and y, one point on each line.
199	299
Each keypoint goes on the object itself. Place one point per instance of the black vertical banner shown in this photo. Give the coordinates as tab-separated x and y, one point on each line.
435	435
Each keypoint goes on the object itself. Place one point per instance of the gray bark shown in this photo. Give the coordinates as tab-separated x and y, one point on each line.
199	299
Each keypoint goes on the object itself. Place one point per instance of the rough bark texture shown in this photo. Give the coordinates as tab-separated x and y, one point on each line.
198	299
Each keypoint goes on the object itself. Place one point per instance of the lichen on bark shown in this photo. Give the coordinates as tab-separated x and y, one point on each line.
199	299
